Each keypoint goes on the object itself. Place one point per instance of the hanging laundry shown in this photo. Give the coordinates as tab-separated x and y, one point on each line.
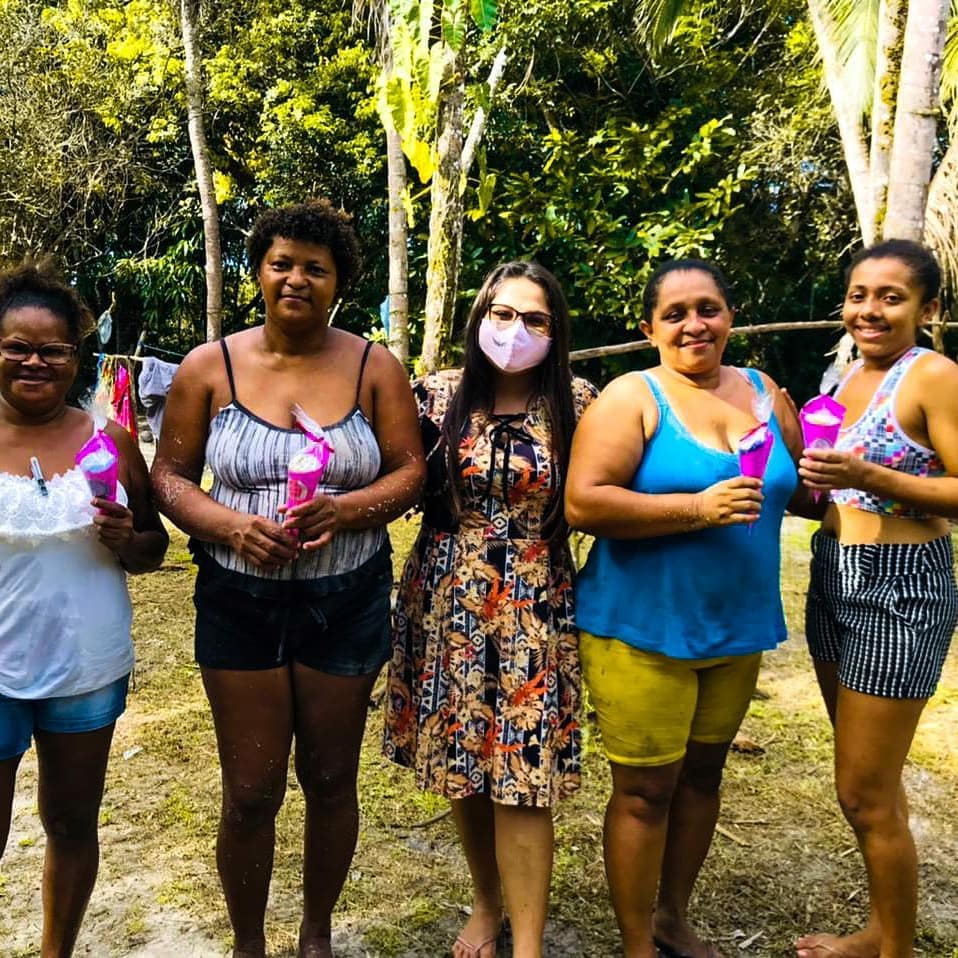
124	406
154	383
113	393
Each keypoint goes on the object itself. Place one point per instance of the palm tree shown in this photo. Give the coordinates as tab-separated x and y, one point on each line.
881	62
882	65
422	99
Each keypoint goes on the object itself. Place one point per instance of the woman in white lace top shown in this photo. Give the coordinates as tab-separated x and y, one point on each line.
65	649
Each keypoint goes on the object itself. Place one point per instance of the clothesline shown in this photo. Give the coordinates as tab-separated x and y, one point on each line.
136	357
132	359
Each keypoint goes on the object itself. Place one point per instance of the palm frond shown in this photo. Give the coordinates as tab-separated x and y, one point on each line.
658	19
949	69
941	216
856	34
372	18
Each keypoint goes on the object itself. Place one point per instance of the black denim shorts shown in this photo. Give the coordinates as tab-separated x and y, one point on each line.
338	624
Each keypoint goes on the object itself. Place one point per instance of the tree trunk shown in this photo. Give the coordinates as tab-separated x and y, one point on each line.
891	26
849	123
398	251
916	116
444	249
479	119
189	19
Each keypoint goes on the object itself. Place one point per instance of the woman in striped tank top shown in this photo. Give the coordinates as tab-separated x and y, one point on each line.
292	606
882	602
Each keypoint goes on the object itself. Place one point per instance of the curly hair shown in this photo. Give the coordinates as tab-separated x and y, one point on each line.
40	286
316	221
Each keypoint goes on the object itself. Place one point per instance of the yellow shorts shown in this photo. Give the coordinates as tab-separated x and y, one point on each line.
649	705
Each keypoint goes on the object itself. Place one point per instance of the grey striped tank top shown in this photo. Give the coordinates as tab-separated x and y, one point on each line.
249	458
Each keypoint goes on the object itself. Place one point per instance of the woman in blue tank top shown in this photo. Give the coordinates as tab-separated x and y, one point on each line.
680	593
292	605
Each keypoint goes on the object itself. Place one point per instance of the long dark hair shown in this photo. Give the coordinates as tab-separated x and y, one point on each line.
476	390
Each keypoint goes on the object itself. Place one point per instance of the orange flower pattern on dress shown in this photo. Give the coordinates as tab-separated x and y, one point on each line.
484	681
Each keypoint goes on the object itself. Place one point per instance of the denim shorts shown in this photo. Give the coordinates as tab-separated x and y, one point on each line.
19	718
338	624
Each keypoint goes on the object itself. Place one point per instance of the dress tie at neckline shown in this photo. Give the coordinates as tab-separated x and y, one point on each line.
509	428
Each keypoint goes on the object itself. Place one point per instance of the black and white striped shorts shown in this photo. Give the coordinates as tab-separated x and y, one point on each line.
885	613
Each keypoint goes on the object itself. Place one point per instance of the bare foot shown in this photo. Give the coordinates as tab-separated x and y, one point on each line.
315	948
478	936
255	949
863	944
680	941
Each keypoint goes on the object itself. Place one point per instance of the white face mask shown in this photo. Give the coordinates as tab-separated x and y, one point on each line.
513	348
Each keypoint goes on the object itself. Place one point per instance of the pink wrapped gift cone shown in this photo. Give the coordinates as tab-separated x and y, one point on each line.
821	419
307	467
754	448
306	470
99	461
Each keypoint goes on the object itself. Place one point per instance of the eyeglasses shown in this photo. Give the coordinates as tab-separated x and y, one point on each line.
52	354
535	321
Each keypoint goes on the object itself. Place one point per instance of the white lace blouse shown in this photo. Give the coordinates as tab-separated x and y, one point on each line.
65	611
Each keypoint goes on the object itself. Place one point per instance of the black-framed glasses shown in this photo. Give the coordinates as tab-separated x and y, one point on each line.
52	354
535	320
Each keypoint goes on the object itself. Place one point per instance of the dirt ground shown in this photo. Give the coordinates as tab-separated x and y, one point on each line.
783	863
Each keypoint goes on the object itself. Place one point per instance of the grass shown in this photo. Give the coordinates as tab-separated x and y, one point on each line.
784	863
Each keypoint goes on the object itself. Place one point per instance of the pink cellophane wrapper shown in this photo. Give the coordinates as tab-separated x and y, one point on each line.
754	448
307	467
821	419
99	461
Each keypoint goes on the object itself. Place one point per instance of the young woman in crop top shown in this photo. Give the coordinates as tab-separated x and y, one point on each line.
292	606
65	646
882	602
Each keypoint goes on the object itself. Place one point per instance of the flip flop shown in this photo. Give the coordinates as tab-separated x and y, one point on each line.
475	951
670	951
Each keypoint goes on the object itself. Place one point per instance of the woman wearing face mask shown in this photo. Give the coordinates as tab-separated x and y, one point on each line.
484	679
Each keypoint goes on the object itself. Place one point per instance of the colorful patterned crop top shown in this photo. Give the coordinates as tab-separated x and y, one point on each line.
877	437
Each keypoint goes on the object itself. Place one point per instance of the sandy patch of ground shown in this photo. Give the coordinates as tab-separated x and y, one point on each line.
784	863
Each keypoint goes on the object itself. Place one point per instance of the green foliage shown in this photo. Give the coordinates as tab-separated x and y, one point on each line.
609	205
102	173
425	39
603	153
611	155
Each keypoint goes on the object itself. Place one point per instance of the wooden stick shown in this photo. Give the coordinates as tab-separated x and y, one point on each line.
438	817
617	350
731	837
620	348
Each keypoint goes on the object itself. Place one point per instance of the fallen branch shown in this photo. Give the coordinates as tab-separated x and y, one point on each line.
438	817
731	837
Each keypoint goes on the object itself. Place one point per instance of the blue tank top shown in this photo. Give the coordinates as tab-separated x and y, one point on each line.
694	595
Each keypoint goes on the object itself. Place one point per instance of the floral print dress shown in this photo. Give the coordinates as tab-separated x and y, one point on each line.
484	680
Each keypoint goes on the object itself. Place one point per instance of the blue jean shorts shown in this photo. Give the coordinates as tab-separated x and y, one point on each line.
87	712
